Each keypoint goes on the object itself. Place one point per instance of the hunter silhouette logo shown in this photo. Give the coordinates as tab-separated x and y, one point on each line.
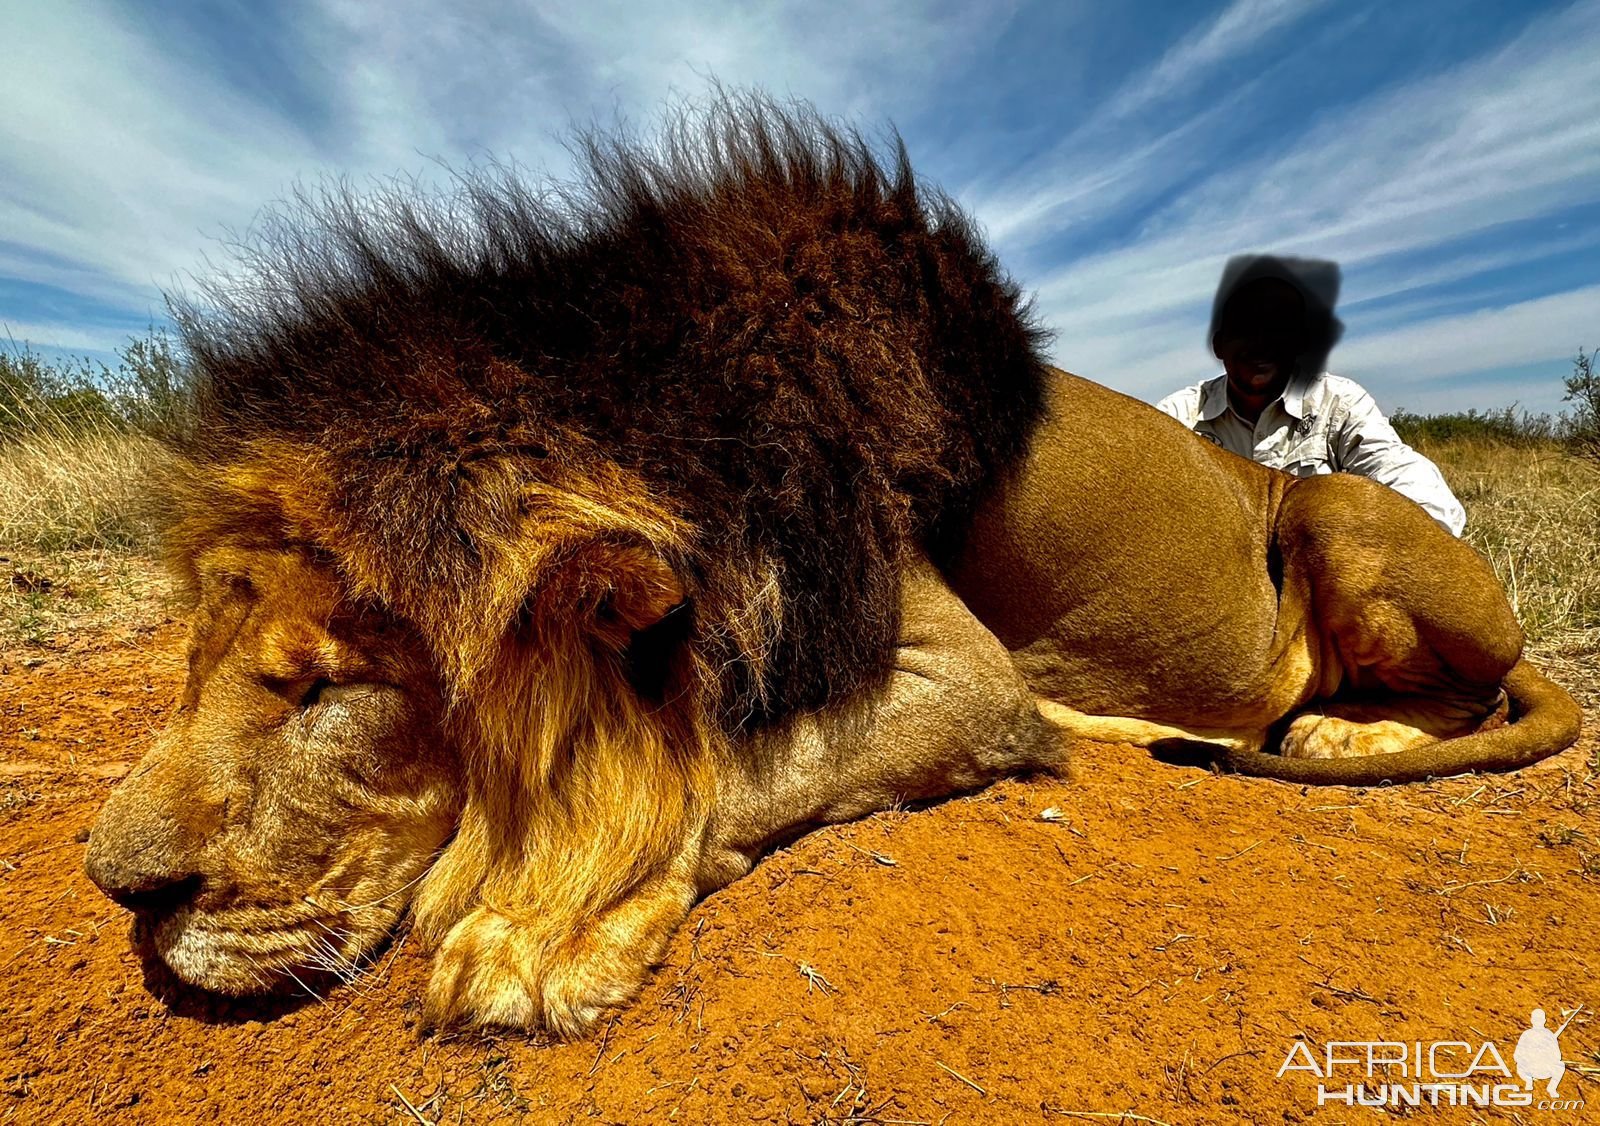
1538	1054
1387	1073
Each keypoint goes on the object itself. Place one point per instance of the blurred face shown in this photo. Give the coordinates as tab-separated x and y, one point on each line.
1260	333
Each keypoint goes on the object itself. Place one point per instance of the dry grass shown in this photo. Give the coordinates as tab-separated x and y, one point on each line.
65	488
1534	512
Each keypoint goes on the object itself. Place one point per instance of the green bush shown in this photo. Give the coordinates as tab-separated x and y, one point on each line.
1507	427
1578	430
146	392
1583	392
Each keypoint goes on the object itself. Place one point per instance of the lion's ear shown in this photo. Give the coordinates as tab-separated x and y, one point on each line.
633	589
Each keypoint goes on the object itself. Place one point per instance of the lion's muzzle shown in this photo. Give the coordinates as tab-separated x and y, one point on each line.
144	848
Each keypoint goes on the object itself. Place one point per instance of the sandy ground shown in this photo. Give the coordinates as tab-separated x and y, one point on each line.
1157	948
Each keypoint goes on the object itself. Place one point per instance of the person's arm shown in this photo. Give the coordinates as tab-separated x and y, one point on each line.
1183	405
1366	444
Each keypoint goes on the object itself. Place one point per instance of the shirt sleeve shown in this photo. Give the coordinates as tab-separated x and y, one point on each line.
1367	444
1182	405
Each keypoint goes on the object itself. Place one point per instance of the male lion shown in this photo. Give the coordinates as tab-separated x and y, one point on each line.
555	555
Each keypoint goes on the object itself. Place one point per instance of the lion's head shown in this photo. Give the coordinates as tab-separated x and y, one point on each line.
303	785
510	514
349	745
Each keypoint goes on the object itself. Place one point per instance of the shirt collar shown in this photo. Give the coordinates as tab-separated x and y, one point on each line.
1214	399
1295	395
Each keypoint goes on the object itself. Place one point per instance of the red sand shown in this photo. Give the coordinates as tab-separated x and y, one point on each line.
1158	951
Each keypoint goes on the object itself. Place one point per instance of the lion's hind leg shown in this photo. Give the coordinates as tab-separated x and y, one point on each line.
1353	729
1422	669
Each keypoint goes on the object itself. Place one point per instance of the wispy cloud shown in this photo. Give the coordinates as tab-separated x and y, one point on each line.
129	145
69	336
1546	328
126	155
1235	31
1405	173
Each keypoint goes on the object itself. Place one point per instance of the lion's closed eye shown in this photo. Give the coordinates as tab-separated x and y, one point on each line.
327	701
314	692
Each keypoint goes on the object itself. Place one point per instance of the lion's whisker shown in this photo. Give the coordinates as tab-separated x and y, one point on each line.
309	991
407	886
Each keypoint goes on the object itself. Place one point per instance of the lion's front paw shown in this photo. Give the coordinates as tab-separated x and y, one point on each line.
492	970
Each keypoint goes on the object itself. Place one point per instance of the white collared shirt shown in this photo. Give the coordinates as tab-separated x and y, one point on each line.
1328	424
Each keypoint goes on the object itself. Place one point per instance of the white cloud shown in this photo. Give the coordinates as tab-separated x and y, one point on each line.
1388	183
1547	328
126	154
126	159
65	335
117	161
1235	31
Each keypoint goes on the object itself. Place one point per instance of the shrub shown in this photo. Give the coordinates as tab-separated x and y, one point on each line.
1583	391
147	391
1507	427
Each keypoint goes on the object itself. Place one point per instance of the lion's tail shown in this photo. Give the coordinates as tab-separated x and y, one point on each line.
1545	719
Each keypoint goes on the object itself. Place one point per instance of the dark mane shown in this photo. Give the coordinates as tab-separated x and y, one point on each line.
809	357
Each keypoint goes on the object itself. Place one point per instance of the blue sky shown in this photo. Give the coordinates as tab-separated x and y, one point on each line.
1446	152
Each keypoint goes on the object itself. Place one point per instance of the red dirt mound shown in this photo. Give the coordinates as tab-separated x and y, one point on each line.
1156	944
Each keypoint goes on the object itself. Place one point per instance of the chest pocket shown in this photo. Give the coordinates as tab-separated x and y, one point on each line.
1310	452
1310	465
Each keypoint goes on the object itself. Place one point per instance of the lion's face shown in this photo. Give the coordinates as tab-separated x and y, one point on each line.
301	789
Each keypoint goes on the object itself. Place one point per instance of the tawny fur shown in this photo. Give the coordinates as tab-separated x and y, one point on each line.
605	521
642	464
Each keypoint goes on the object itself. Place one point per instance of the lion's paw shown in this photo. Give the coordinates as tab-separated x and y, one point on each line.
1324	736
493	971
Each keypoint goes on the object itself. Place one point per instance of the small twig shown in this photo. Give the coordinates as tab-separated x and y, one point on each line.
814	977
415	1113
1354	994
1240	853
604	1040
1451	889
1124	1116
1230	1056
964	1079
886	861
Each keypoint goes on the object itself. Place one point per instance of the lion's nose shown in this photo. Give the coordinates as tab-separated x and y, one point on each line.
145	846
141	880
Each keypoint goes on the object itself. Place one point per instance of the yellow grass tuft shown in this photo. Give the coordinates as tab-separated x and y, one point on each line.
1534	512
72	488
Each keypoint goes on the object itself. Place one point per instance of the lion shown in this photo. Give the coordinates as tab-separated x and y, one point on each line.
555	555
